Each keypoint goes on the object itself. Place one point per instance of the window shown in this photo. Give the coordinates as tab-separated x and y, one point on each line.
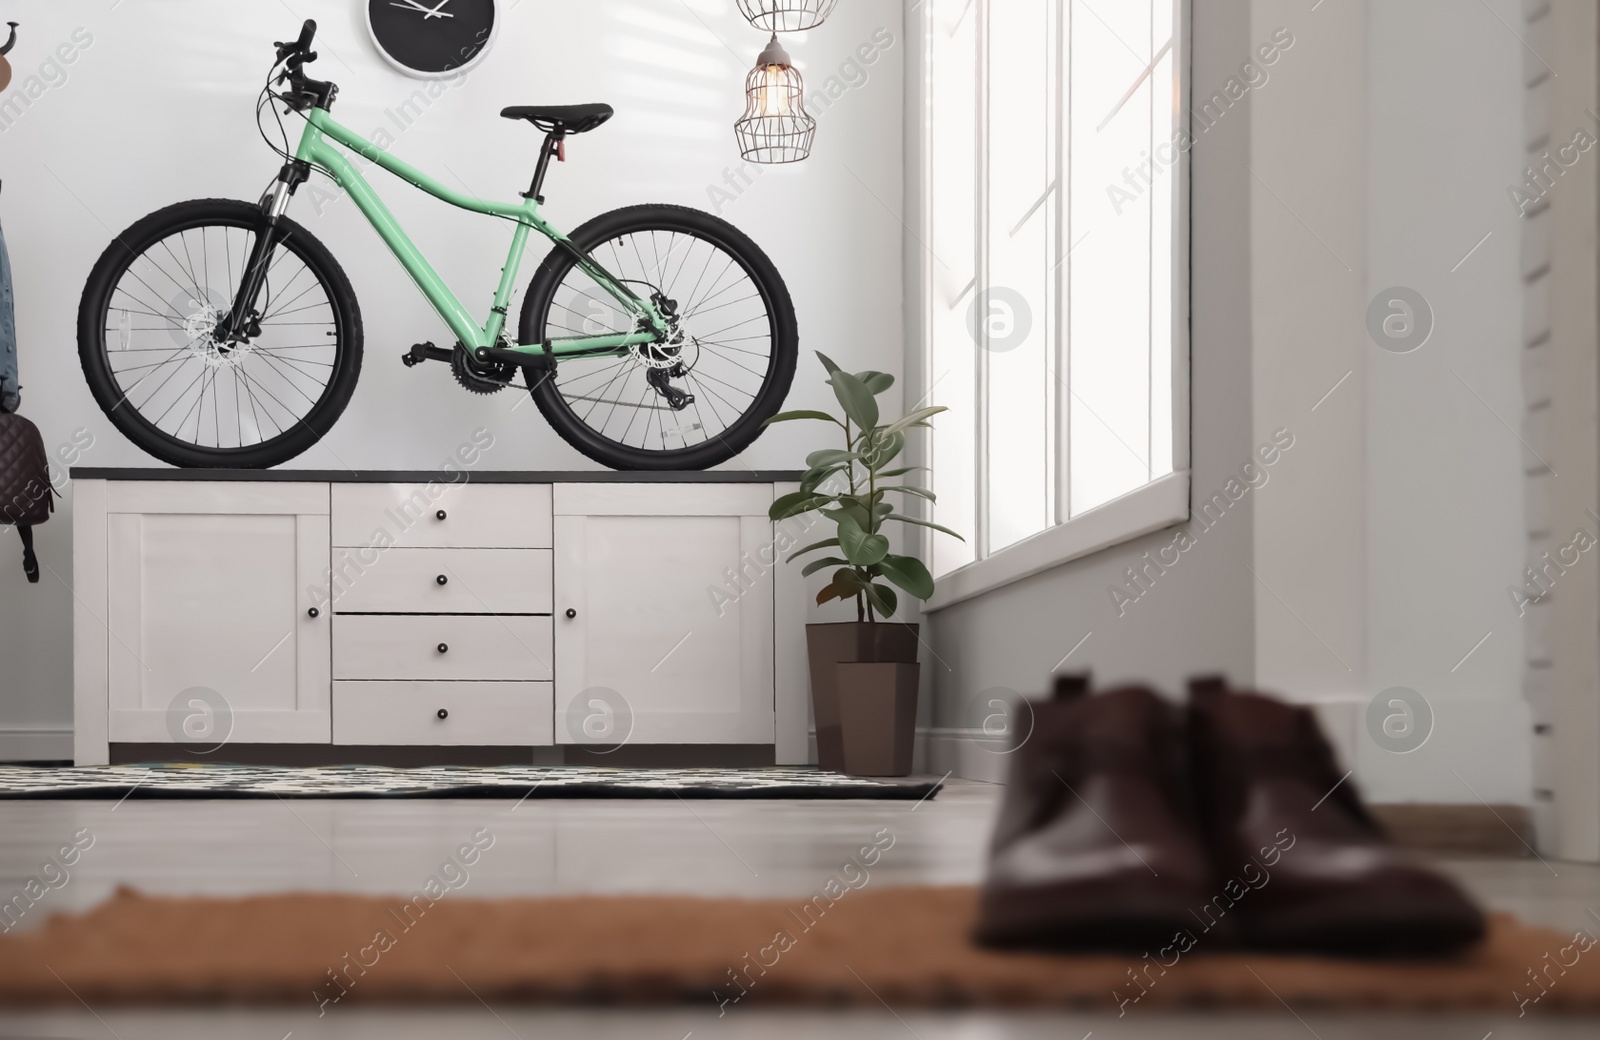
1055	274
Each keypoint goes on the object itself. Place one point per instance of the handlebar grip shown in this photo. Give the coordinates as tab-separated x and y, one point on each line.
308	32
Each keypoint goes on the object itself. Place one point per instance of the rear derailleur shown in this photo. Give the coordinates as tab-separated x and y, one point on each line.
658	378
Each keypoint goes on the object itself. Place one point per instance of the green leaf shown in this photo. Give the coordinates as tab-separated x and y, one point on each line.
900	472
861	548
813	479
850	510
795	503
856	400
831	543
916	417
923	523
832	592
816	565
883	598
883	450
919	492
849	581
830	457
877	382
804	413
884	510
909	573
827	363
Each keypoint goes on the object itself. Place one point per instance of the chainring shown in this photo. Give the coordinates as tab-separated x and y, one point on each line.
480	377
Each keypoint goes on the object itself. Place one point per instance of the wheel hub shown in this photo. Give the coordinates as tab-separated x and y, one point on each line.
667	352
207	342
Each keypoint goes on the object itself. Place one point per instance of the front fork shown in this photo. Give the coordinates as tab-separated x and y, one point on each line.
239	324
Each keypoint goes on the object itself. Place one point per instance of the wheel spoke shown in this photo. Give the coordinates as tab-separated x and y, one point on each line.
177	376
614	398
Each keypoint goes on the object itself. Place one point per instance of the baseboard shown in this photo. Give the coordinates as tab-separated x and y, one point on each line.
1483	830
35	745
963	753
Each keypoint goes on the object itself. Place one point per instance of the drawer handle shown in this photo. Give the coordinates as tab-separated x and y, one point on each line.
571	613
442	580
313	612
444	648
440	515
443	714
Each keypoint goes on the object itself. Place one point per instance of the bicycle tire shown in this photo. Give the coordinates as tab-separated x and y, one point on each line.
766	402
156	229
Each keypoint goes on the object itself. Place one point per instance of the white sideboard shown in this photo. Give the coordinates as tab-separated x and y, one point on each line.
394	610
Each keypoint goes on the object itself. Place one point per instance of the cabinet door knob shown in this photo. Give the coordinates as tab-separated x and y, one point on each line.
313	612
444	648
571	613
440	515
444	714
442	580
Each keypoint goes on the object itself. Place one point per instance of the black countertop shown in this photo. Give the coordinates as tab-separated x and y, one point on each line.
473	476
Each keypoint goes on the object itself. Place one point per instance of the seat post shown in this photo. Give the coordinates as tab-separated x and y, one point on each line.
552	141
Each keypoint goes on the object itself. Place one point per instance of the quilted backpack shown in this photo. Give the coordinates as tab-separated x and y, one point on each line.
27	497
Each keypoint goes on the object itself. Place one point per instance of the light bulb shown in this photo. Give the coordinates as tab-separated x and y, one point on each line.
773	92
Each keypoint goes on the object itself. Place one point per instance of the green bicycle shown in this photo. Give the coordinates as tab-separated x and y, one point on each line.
220	333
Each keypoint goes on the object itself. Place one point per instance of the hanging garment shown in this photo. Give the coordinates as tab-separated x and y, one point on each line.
10	390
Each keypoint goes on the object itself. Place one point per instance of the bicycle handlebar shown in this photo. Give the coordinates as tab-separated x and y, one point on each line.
300	48
303	91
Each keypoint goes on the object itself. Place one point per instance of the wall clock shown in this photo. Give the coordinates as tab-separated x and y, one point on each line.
431	39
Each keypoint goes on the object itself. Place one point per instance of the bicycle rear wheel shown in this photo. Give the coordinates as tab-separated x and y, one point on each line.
150	349
685	405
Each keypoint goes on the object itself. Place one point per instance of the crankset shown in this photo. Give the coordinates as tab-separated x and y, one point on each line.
486	376
480	377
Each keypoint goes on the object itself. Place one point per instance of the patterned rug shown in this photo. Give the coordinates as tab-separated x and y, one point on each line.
186	780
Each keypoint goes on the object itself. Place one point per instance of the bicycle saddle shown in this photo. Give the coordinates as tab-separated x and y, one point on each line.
571	119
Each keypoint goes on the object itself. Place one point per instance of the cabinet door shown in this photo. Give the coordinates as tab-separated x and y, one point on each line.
209	588
664	647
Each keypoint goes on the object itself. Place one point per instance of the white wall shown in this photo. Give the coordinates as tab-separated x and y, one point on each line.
1445	515
158	108
1387	141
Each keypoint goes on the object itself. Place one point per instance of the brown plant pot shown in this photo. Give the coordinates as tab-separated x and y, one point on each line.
878	717
852	641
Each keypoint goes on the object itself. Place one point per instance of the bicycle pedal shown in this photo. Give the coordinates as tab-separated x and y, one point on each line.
421	352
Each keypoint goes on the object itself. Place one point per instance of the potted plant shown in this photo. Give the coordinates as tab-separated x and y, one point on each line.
863	672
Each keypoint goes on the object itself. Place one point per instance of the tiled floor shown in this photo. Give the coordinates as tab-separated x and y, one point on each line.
543	847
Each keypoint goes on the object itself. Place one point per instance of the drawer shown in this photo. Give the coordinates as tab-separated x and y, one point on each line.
496	648
475	581
483	713
476	516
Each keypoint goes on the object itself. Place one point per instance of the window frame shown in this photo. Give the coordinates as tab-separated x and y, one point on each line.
1164	501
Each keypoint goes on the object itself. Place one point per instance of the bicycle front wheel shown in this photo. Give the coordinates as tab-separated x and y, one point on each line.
694	401
149	342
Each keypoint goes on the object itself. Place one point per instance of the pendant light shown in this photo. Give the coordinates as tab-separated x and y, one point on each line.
776	127
787	15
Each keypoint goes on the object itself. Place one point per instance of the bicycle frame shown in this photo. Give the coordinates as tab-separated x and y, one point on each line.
316	148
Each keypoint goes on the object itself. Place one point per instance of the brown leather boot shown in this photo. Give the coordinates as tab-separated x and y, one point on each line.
1094	846
1302	864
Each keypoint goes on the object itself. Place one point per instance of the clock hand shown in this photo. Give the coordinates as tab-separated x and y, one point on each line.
439	12
408	5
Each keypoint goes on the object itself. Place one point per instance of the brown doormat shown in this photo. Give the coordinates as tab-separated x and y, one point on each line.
902	947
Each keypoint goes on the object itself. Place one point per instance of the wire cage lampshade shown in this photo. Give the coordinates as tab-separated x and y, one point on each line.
787	15
776	127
